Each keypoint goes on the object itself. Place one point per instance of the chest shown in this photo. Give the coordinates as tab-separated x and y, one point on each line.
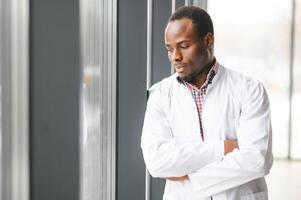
219	116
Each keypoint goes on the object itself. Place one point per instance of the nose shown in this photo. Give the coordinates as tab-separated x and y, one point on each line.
176	55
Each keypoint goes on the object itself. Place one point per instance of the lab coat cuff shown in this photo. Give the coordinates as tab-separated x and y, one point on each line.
219	154
193	178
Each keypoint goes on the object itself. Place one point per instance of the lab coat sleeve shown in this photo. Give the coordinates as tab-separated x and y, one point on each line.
163	156
253	159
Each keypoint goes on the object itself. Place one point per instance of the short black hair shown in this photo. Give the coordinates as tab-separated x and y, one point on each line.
199	17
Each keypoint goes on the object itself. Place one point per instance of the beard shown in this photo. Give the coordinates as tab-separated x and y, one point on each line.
196	74
204	67
190	78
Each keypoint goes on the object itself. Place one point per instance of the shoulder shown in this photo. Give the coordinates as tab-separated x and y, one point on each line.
240	80
164	87
159	94
246	87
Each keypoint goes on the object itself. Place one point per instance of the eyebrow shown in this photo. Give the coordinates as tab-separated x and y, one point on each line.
179	43
183	41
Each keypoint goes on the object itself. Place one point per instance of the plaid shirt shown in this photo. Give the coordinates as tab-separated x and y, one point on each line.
200	94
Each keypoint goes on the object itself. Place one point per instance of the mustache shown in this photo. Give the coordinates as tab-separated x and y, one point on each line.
179	65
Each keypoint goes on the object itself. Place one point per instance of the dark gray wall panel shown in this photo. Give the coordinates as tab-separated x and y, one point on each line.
131	98
131	92
161	66
54	108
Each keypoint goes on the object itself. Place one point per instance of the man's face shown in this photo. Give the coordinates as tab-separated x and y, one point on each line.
188	53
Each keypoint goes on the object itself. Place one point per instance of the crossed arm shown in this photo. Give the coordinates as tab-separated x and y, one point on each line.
229	146
200	162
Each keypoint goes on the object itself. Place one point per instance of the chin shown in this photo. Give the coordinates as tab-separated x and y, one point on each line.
188	78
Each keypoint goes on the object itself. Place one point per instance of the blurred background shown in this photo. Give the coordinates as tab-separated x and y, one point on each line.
73	81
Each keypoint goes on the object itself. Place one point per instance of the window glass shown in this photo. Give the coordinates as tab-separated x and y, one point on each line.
98	97
253	37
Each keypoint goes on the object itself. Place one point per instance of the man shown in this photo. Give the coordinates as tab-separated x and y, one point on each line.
207	129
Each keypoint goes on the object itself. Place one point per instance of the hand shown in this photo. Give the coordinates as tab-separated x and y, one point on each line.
230	145
181	178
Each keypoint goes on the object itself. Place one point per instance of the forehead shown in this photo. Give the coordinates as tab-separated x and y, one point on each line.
179	30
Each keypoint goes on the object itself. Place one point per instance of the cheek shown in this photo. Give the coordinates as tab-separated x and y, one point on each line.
200	56
192	56
202	52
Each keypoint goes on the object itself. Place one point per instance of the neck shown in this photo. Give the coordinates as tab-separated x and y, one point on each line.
202	76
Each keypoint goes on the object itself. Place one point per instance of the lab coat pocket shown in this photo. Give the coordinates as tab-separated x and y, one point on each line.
256	196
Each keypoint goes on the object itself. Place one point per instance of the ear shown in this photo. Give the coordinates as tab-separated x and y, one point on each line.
209	40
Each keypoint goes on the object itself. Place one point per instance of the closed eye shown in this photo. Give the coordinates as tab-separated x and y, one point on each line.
169	49
183	45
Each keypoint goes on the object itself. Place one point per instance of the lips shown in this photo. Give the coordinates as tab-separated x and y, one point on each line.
180	68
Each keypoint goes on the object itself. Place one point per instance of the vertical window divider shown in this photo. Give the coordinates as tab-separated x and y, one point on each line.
149	79
14	99
291	77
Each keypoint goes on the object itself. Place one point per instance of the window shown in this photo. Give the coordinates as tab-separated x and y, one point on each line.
253	37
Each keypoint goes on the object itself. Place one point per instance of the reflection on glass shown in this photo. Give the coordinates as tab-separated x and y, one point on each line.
97	161
253	37
296	98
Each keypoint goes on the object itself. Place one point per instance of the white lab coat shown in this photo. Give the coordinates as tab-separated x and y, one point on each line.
236	107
